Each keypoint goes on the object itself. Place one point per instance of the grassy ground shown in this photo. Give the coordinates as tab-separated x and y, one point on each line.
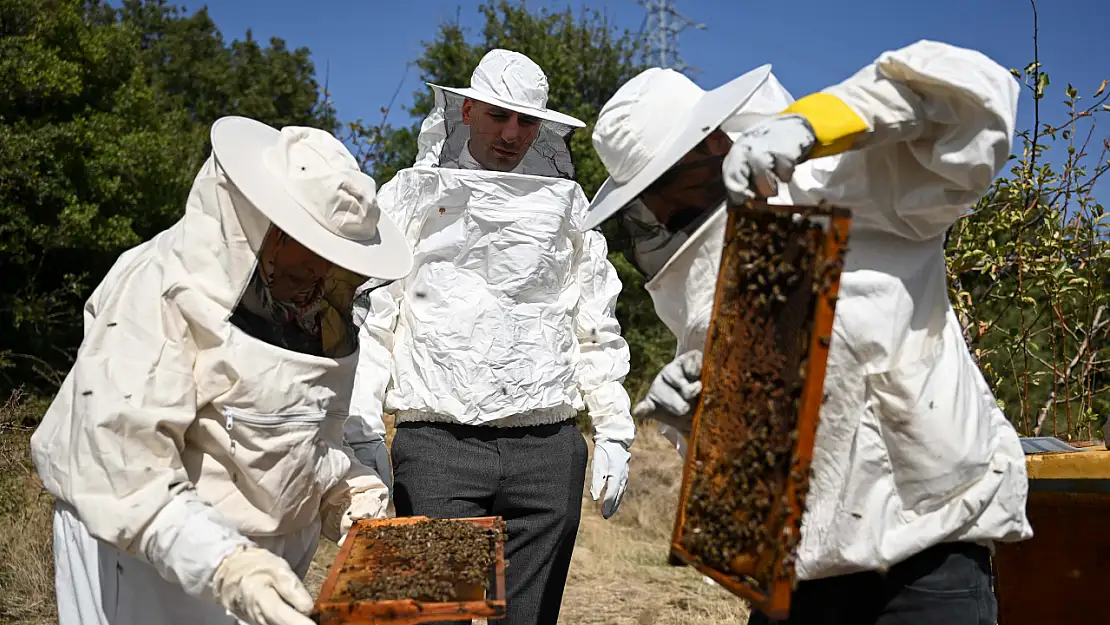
619	575
26	560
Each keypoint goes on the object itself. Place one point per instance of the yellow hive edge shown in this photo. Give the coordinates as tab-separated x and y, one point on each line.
1092	463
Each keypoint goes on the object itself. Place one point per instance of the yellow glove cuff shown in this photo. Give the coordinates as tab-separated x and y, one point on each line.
834	123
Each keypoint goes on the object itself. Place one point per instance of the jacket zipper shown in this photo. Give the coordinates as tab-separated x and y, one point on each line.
230	417
264	421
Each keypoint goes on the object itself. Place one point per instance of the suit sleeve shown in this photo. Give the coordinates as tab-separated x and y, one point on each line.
603	352
914	139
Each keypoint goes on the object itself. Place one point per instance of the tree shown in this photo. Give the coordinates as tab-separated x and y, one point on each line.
586	59
104	117
1028	269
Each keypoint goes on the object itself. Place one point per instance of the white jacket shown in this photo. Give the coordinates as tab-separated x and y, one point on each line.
912	449
173	418
509	316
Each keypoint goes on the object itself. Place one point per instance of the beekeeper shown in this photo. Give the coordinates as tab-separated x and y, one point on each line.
503	332
195	448
916	472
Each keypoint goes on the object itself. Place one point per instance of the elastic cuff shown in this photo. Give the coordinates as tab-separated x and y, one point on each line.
187	541
834	123
600	438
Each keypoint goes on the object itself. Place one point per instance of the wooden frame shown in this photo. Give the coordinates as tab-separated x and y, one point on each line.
334	609
771	595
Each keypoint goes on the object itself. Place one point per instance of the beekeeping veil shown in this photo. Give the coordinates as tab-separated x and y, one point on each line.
302	231
511	81
644	132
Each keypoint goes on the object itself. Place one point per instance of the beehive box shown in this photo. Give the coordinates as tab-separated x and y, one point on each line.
750	446
1061	574
415	570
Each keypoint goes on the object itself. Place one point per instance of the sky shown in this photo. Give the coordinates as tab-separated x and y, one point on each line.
364	45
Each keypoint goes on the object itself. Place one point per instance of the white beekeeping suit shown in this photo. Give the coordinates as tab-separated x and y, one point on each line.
912	450
195	449
503	332
525	327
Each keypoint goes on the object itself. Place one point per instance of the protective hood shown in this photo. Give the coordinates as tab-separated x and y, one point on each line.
269	285
218	359
444	142
683	287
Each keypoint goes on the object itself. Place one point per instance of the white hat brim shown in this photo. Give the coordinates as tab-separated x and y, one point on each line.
239	145
710	112
545	114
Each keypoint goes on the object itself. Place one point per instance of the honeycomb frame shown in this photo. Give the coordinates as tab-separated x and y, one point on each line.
751	442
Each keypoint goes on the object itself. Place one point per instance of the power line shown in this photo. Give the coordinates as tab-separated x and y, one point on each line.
660	31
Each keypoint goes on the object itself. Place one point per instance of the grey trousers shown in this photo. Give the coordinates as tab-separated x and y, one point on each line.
949	584
532	477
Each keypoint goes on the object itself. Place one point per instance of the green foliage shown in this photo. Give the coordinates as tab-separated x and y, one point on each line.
104	118
1029	273
585	60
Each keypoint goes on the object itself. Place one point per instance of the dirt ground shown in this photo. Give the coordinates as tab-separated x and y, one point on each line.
619	575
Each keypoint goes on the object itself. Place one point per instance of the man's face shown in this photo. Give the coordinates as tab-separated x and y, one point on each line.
294	273
499	138
694	185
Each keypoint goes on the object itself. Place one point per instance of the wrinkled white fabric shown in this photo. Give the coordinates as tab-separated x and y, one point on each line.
508	318
912	449
260	588
172	418
98	584
683	291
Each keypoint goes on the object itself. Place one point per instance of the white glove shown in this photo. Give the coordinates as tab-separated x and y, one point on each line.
610	471
765	155
373	454
341	513
260	588
674	393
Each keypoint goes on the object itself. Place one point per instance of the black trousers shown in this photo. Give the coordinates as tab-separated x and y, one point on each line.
530	476
949	584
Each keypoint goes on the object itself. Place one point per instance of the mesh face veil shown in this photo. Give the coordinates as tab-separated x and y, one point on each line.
687	193
548	156
298	301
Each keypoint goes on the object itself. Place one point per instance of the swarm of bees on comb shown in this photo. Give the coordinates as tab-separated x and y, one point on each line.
426	561
748	465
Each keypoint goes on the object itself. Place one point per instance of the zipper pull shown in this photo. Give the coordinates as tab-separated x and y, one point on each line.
229	422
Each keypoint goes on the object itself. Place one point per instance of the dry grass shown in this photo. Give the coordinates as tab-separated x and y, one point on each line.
619	575
26	511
